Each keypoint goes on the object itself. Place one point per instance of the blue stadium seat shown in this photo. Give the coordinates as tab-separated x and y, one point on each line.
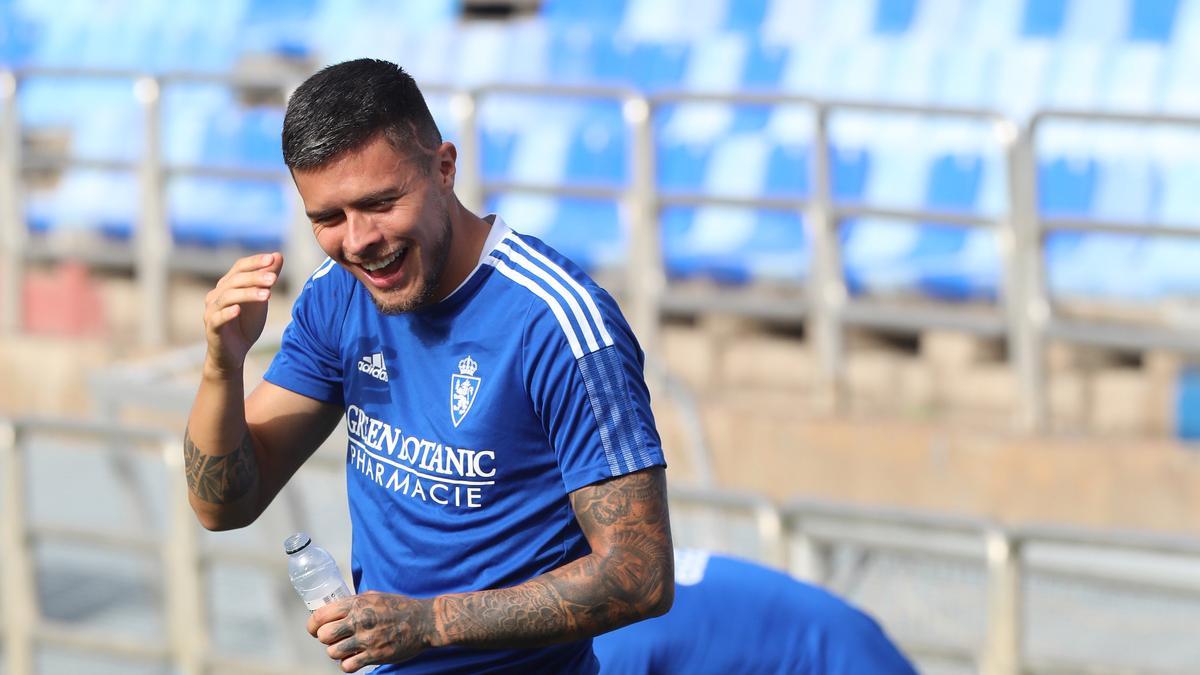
86	200
738	167
1187	404
583	57
1152	20
894	17
862	70
186	115
245	137
687	135
1181	81
992	23
810	68
590	232
212	212
737	245
716	64
1018	85
657	66
605	14
911	69
598	147
954	185
746	15
496	148
788	170
733	245
963	76
1099	23
1066	187
847	21
488	53
1127	187
1132	77
1165	268
1073	78
876	251
764	66
18	35
681	167
1178	202
1043	18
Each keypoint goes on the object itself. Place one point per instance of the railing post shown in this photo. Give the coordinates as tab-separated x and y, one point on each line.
827	291
17	583
12	216
1002	650
468	185
1026	306
645	278
153	238
770	535
186	620
808	558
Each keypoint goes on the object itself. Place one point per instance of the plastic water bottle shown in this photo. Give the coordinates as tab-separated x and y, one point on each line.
313	572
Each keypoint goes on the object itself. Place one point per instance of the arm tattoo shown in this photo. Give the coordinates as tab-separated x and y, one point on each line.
628	577
220	479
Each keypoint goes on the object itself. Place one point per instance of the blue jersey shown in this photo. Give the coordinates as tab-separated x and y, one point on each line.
469	422
732	616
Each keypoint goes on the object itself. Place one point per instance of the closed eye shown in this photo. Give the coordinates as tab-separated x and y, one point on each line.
380	205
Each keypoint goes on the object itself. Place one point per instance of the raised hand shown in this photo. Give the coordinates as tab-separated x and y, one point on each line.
235	311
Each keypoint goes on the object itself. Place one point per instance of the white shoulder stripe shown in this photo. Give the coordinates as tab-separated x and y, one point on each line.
605	337
523	262
323	269
503	268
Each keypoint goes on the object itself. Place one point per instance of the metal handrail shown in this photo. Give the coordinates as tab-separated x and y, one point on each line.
1026	315
784	531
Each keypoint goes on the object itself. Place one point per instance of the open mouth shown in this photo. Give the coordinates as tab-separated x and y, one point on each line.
383	270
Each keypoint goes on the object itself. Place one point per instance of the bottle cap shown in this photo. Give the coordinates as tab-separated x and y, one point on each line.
296	543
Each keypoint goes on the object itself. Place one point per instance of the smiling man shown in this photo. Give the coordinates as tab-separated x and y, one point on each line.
507	493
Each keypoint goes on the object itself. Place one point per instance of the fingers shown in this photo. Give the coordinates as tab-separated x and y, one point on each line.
356	662
334	611
345	649
335	631
249	281
270	262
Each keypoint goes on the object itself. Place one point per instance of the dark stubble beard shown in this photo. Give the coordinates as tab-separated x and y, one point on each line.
430	280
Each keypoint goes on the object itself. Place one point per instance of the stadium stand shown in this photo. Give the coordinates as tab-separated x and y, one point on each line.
1012	56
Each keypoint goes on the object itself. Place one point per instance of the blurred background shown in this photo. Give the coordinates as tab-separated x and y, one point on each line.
917	280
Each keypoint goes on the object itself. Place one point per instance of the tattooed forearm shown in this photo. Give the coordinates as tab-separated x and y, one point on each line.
628	576
220	479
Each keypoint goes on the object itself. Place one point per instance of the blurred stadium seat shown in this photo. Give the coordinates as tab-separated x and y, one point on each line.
1014	56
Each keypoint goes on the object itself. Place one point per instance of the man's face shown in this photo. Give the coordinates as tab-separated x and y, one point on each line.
379	215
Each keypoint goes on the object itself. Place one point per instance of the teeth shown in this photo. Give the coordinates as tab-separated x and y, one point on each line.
371	267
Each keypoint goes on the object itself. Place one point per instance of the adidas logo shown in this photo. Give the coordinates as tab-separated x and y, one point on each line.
373	365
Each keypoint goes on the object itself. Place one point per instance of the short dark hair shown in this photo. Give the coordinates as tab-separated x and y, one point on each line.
346	105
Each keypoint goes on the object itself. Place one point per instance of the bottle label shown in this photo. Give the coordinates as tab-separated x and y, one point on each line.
337	594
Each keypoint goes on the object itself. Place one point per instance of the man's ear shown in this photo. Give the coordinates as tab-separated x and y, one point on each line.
445	162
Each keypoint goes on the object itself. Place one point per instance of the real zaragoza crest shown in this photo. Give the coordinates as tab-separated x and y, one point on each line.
463	388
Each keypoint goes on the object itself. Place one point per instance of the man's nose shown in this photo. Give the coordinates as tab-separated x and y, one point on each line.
361	234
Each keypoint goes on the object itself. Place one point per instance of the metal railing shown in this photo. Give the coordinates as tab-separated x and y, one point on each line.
799	536
1024	320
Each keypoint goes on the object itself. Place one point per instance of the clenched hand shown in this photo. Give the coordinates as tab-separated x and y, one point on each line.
373	628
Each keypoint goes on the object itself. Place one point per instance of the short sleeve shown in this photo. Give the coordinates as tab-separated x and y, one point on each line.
594	407
308	360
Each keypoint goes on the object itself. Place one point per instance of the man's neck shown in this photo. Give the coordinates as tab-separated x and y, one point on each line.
466	245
